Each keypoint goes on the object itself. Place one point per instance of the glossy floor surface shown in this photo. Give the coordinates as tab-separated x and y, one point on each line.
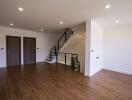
45	81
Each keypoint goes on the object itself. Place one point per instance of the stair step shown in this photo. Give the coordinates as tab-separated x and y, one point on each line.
53	55
49	59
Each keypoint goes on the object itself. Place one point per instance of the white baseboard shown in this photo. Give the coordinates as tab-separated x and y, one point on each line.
2	67
96	72
118	71
93	73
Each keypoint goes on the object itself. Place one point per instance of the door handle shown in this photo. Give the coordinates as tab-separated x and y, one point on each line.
8	51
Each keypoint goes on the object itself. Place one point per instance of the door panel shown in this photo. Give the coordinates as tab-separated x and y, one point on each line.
29	50
13	50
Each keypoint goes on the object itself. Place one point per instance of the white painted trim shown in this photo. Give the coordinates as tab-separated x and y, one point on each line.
93	73
86	75
118	71
96	72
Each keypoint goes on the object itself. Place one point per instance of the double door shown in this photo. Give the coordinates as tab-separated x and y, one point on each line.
13	50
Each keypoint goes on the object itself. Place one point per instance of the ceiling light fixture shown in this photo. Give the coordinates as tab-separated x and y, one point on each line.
107	6
117	21
20	9
61	22
41	29
11	24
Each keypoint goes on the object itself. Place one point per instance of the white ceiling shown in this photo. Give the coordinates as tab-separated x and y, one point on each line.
46	14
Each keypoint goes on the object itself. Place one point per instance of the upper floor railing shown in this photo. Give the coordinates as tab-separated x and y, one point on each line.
71	59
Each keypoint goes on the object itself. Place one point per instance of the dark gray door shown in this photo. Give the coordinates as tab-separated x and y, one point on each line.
13	50
29	50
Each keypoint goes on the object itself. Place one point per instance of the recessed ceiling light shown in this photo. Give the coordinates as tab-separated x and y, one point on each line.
11	24
61	22
117	21
20	9
107	6
41	29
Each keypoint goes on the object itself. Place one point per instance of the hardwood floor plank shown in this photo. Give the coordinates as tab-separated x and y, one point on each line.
45	81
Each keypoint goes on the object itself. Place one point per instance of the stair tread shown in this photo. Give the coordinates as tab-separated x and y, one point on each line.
49	59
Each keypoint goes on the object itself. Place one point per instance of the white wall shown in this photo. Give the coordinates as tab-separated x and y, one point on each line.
87	48
118	48
94	48
44	41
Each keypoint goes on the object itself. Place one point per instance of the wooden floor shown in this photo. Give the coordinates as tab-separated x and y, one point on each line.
49	82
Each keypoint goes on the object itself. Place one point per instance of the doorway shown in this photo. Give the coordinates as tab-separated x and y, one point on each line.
13	50
29	45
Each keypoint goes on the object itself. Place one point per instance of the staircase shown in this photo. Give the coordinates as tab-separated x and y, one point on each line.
70	42
56	51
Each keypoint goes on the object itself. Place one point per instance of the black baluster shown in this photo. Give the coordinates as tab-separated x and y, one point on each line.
65	60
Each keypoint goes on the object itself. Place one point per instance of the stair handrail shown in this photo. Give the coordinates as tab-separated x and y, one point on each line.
68	53
74	57
57	47
65	35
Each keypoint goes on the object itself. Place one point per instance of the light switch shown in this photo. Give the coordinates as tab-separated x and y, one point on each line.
2	48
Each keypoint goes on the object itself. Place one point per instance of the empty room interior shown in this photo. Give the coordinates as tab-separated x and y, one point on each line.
65	50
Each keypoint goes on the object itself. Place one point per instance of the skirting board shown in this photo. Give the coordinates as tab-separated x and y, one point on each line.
93	73
118	71
1	67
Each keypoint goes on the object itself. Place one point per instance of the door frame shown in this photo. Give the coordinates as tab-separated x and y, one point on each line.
7	36
34	46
